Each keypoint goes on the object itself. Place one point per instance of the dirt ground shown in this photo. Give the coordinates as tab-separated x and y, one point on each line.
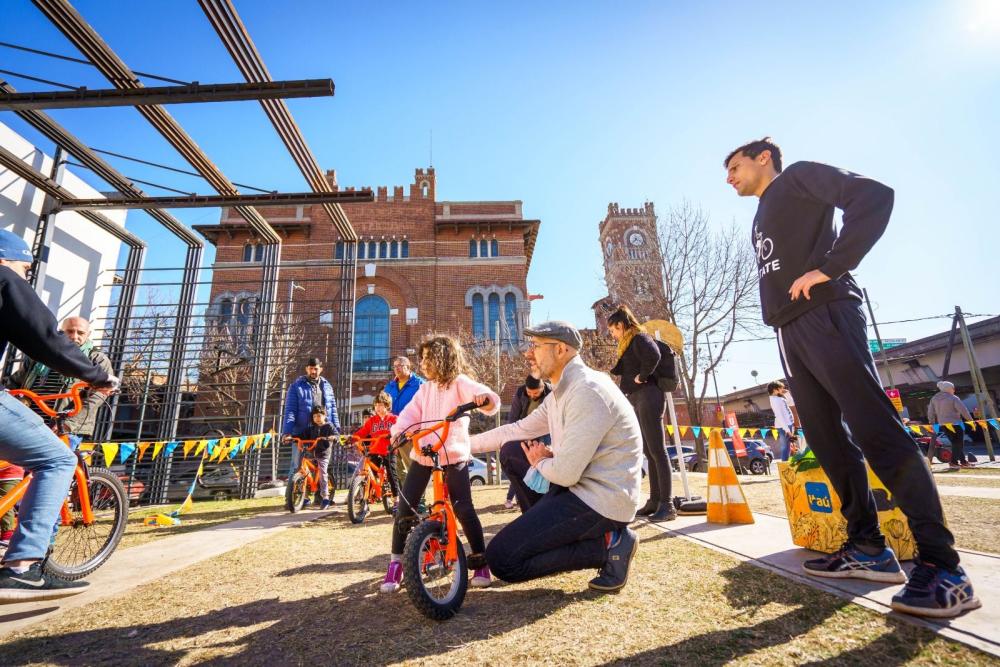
310	595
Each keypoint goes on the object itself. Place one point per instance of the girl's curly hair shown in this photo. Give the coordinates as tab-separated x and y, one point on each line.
445	356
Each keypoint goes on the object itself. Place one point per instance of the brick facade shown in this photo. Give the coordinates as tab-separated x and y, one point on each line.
432	289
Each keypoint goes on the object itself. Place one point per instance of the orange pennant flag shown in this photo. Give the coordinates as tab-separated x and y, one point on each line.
928	428
684	430
143	446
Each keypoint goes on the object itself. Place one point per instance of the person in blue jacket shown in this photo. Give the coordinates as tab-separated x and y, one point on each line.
401	388
307	391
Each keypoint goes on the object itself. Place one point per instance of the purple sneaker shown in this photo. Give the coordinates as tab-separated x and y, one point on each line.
393	577
482	578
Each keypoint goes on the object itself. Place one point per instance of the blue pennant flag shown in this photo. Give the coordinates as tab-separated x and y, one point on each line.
238	448
170	447
729	432
125	451
265	441
696	430
212	444
936	427
994	423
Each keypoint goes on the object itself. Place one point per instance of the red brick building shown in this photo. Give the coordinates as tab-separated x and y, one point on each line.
456	267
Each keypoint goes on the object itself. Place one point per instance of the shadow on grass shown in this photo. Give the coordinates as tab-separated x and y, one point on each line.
749	589
352	625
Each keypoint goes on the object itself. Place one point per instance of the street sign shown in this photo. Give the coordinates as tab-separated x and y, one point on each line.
887	344
897	402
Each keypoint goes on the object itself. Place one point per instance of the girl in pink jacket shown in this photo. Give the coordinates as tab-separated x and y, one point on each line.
442	362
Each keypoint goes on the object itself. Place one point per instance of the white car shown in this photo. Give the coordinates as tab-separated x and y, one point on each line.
477	472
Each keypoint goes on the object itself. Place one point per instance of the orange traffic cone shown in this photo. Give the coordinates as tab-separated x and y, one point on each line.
726	501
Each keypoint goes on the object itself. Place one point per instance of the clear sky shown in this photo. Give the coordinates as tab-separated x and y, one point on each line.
571	105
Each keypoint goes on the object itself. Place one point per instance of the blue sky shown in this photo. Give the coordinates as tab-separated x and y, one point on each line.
569	106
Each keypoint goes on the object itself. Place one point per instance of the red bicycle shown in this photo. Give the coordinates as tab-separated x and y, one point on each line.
93	516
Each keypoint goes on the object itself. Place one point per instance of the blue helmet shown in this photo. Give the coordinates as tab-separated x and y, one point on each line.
13	248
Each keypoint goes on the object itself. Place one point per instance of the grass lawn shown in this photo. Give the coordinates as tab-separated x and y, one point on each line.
309	595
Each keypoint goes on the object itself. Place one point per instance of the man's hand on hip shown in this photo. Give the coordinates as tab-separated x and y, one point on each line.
536	451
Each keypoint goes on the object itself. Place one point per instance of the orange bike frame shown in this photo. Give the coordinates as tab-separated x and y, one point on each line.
441	508
375	474
12	497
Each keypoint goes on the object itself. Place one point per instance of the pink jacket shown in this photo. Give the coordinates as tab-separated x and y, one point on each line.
433	402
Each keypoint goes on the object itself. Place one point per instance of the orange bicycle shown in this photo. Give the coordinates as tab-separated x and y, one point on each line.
93	516
370	483
435	573
305	481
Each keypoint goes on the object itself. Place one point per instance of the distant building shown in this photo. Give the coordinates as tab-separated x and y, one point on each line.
82	259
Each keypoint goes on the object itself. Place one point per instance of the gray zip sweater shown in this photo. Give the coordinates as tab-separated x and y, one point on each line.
596	442
946	408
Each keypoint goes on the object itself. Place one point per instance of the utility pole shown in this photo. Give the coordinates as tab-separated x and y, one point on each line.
878	337
986	409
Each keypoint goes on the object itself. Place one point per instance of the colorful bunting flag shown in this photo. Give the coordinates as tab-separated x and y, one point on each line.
684	430
125	451
696	430
670	429
950	427
188	446
110	449
157	446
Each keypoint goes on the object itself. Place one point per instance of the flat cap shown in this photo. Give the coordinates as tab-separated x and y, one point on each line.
559	330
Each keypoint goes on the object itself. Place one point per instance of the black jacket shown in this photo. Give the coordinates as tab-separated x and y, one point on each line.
519	405
640	358
794	233
29	326
325	431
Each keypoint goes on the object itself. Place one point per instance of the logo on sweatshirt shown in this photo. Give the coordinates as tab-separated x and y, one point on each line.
765	249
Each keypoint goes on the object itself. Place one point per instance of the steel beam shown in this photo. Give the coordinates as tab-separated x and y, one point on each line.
214	201
187	94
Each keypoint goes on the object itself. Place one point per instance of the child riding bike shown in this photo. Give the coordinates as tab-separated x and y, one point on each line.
442	363
25	440
323	433
377	427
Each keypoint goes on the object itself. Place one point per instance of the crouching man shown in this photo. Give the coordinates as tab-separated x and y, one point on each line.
590	476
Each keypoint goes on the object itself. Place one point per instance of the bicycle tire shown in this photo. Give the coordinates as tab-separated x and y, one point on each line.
437	608
296	493
357	500
80	549
387	498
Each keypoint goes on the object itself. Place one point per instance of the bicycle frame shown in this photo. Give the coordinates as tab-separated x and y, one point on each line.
376	474
309	470
12	497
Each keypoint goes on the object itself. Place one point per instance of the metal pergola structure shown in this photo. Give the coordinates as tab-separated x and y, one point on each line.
129	90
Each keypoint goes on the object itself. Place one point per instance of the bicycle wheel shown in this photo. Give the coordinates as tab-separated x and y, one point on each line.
387	497
357	500
295	493
80	548
436	589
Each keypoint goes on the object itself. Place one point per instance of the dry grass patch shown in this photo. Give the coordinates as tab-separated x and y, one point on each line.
309	596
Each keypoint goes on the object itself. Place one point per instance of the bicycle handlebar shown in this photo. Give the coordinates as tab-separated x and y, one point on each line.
445	425
73	394
300	443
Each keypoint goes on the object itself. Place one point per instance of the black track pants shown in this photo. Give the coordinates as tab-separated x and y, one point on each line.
848	419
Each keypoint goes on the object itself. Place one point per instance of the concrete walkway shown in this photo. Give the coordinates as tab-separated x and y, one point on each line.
992	492
768	544
129	568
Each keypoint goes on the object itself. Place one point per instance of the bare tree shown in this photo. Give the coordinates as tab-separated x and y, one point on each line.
709	291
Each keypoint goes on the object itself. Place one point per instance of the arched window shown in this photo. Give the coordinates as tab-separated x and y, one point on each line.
425	188
494	303
258	255
394	250
472	248
478	322
371	335
510	317
246	317
248	252
383	250
404	250
494	248
361	250
339	253
372	250
484	248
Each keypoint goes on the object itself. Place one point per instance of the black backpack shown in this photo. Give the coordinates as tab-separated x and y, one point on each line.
666	371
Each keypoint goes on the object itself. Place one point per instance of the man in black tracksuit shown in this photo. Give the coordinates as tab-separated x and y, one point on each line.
808	295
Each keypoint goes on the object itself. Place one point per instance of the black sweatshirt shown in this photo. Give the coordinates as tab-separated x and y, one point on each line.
27	324
794	233
641	358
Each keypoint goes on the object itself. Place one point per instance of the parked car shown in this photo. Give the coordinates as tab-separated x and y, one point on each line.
218	483
478	472
690	457
756	462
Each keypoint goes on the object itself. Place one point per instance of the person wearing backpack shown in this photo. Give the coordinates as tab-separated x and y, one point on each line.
638	359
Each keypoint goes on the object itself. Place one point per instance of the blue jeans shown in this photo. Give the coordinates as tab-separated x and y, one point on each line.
784	444
26	441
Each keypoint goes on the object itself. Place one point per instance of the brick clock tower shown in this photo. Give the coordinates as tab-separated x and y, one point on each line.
632	269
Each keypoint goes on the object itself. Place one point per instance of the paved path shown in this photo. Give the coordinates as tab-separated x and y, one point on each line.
992	492
139	565
768	544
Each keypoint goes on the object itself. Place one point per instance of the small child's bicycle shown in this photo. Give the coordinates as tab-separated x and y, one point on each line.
435	573
95	511
370	483
305	481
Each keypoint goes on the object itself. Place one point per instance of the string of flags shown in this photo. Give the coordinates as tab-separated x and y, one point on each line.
917	429
212	450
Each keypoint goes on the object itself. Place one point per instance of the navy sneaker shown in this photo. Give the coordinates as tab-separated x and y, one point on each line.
614	575
35	584
936	592
849	562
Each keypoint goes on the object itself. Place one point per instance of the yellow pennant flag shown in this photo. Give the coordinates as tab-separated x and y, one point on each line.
915	429
684	430
744	432
753	432
157	446
110	450
188	445
950	427
670	429
971	425
709	430
143	446
202	444
222	450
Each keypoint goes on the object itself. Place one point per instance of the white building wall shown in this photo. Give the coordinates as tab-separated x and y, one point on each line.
83	258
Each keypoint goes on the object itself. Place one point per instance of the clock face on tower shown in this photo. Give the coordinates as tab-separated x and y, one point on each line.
636	239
